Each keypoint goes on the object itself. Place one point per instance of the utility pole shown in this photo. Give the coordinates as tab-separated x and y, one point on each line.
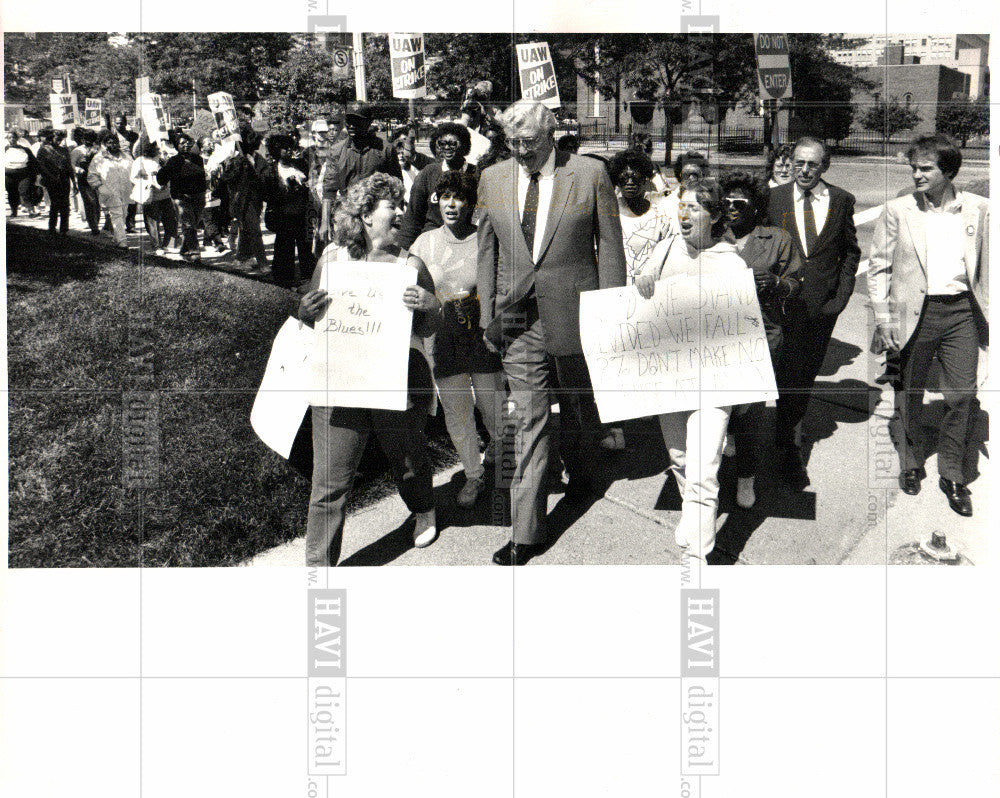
360	90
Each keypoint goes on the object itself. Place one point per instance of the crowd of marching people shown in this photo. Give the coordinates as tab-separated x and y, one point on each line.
496	300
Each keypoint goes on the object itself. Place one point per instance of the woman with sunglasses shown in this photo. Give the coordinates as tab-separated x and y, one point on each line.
450	143
776	264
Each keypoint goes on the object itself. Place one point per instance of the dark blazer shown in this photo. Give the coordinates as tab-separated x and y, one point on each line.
581	249
828	274
770	250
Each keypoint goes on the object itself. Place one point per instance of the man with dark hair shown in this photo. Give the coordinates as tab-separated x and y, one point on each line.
928	281
820	219
57	176
361	154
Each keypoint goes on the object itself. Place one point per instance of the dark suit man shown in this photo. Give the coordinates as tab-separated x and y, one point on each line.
549	230
820	219
928	281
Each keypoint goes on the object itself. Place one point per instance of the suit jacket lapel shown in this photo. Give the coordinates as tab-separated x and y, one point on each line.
789	223
510	216
918	233
561	185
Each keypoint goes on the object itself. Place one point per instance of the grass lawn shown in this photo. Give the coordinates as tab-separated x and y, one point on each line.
85	326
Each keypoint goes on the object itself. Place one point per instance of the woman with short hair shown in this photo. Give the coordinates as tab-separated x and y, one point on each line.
366	220
779	166
695	438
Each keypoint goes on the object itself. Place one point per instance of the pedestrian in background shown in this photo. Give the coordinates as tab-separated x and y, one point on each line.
110	174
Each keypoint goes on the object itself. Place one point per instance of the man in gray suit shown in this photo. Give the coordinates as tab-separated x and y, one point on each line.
549	230
928	281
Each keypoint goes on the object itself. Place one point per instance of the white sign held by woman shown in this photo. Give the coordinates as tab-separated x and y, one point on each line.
698	342
361	349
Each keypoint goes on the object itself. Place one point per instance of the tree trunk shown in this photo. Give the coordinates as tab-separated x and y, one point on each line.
668	135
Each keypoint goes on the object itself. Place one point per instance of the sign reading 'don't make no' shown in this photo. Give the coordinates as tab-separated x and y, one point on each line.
698	342
409	71
773	71
538	76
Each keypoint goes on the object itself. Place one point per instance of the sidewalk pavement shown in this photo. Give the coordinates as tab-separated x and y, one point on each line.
852	512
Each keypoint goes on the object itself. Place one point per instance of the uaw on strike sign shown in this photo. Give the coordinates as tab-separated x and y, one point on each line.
773	71
409	70
538	76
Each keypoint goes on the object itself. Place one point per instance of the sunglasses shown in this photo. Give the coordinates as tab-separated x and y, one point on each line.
737	202
447	144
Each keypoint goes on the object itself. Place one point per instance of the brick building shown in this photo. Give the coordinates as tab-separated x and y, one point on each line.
921	87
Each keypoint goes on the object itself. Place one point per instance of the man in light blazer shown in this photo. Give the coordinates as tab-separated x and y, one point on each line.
820	219
549	230
928	281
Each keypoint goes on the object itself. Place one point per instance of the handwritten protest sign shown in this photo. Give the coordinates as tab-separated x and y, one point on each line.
224	110
538	76
92	113
64	110
362	342
283	398
698	342
409	71
153	117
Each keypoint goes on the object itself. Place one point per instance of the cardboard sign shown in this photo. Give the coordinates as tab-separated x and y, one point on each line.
361	348
698	342
224	110
538	75
154	119
64	110
283	398
409	71
92	113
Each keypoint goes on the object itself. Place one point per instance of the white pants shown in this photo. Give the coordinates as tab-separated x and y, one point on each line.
116	212
694	441
460	395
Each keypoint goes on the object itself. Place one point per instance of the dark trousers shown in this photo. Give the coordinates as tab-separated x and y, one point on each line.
291	234
156	213
803	348
947	329
534	376
214	225
189	210
91	205
130	216
12	180
245	237
58	205
339	438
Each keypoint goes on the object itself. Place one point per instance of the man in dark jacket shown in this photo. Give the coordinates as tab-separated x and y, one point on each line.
361	154
57	176
820	219
185	174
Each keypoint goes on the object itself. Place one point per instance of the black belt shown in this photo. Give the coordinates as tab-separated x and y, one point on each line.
948	299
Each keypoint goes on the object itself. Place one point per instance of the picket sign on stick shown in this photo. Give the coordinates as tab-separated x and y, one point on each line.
92	109
698	342
153	117
361	348
224	110
538	76
64	110
409	69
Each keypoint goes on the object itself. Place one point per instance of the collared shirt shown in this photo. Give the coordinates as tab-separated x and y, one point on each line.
546	180
820	206
409	175
946	274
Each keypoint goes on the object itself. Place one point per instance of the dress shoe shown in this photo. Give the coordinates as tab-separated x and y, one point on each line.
516	553
959	497
791	467
909	480
424	529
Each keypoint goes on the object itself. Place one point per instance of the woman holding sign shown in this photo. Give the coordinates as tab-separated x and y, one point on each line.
467	374
695	438
366	219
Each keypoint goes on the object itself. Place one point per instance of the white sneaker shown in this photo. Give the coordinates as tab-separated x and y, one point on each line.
425	530
745	497
161	252
729	450
470	492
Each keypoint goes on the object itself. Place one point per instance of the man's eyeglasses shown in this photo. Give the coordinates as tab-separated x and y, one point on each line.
525	143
